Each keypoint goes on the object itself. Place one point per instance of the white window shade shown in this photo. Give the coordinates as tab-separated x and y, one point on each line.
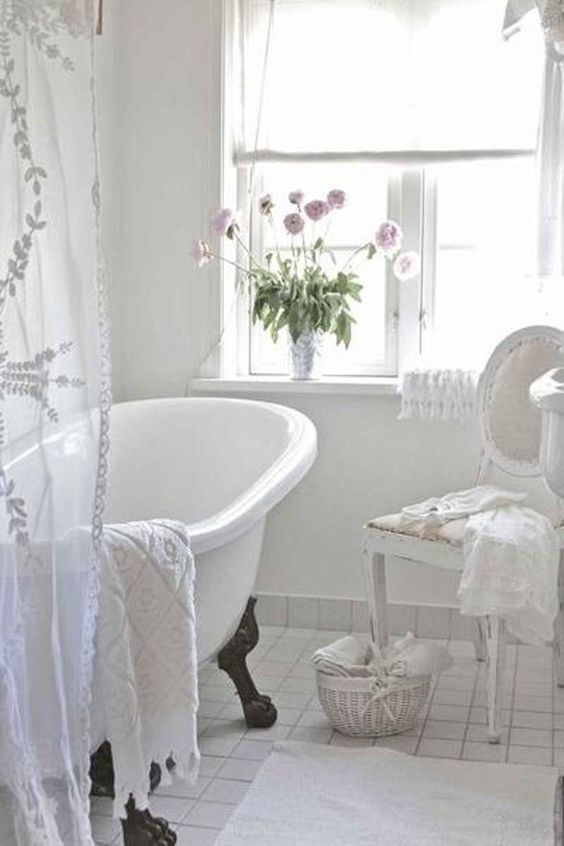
413	79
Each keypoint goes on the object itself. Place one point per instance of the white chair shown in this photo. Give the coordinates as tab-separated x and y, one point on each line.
510	431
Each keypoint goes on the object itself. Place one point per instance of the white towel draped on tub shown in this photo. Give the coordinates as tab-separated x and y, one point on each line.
511	557
146	663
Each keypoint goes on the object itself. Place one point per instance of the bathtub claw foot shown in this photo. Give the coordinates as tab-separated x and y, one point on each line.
259	714
258	709
140	828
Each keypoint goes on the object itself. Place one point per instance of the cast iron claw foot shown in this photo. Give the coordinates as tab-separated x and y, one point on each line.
140	828
258	709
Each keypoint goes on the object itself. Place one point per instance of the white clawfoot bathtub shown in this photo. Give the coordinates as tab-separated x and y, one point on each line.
218	465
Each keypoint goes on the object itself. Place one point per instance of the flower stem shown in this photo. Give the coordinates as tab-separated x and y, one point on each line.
355	253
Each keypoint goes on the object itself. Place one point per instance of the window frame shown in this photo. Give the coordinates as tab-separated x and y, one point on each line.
412	200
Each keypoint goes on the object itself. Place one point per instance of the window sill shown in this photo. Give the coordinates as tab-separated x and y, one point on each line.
359	385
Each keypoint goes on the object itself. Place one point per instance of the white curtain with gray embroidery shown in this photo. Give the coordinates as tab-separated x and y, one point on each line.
54	399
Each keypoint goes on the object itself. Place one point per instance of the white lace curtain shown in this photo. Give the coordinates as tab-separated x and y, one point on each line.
54	399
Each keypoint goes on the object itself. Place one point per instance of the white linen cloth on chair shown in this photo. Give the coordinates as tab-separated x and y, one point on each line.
511	560
424	518
146	667
511	556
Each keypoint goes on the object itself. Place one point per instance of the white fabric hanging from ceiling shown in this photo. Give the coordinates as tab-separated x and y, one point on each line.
369	77
550	151
54	401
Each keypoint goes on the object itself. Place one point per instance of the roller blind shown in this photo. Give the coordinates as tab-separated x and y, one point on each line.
413	79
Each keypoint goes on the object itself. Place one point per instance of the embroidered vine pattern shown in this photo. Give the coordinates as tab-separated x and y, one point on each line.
31	378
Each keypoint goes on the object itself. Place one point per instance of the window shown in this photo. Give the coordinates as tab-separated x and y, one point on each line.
447	154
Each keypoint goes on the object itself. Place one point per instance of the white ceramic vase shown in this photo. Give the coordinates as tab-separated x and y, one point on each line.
306	356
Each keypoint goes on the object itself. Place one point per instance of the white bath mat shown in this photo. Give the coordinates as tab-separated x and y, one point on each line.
313	795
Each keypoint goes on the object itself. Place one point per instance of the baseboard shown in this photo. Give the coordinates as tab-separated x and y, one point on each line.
330	614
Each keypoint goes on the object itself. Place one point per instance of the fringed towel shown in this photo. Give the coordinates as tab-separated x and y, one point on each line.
438	394
146	662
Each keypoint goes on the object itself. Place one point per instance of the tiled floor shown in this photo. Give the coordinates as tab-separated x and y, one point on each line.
452	726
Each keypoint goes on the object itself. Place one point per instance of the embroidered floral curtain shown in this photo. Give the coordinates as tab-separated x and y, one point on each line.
54	401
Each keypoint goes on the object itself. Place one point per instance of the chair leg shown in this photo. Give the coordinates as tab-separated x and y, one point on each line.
374	564
495	639
480	649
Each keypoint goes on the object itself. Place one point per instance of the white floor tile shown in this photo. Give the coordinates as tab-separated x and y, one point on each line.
239	769
496	752
532	719
476	733
172	809
529	755
433	748
225	790
183	789
444	730
531	737
210	814
255	750
191	836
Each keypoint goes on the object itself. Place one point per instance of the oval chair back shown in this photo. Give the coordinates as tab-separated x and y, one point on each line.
510	424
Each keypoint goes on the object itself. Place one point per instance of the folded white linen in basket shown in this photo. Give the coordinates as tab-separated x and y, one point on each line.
344	657
511	560
146	661
406	657
409	658
427	516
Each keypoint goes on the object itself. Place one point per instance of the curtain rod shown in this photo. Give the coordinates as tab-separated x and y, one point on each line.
416	157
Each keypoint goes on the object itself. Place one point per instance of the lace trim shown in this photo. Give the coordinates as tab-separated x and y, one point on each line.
87	664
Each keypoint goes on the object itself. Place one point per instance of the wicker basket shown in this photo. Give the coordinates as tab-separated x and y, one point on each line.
356	708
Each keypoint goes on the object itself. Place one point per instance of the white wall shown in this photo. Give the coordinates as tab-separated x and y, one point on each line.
161	132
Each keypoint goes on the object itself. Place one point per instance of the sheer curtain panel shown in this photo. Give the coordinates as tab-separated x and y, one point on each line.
54	401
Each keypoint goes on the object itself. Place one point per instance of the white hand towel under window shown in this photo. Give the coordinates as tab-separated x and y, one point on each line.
146	665
440	394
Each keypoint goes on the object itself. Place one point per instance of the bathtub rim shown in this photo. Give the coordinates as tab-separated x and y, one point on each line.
267	491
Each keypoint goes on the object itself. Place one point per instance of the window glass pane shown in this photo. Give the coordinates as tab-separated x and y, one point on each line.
484	284
345	229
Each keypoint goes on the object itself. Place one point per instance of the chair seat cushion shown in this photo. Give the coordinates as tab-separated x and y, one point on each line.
451	532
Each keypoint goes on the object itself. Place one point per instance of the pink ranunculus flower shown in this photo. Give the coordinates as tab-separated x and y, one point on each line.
296	197
266	204
200	252
221	221
388	238
317	209
336	198
294	223
406	266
